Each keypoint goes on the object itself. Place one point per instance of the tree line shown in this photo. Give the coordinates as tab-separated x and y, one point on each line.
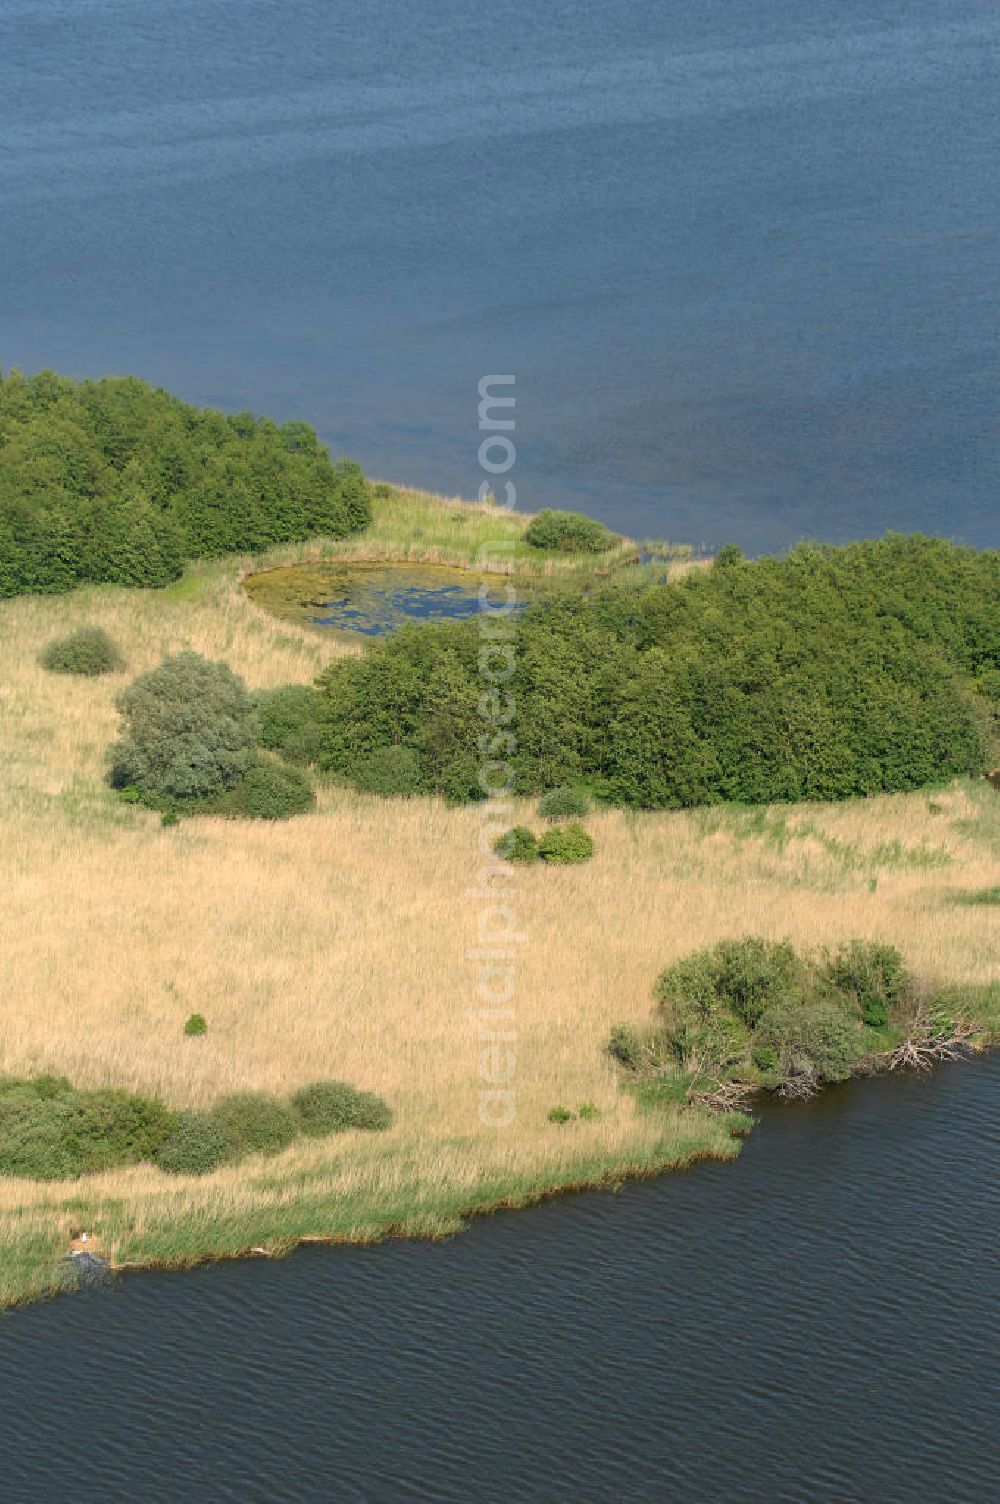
825	673
119	482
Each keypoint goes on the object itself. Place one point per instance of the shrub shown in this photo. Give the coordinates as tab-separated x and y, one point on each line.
566	843
872	976
729	555
49	1130
270	791
569	532
255	1123
589	1112
88	650
333	1106
517	845
291	722
196	1025
765	1057
814	1038
120	1128
189	732
625	1045
560	1115
744	976
753	974
564	803
390	771
198	1144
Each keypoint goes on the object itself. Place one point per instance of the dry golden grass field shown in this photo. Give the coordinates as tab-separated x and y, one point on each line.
335	945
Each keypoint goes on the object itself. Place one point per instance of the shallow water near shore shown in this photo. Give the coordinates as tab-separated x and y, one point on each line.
370	600
811	1323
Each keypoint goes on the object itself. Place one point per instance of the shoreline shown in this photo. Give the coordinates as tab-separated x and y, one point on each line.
330	945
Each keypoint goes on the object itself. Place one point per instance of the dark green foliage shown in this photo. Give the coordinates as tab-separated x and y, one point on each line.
189	732
873	977
517	845
49	1130
333	1106
729	555
196	1024
753	974
255	1123
119	482
269	791
754	1010
569	532
765	1057
813	1038
560	1115
88	650
564	803
626	1045
830	673
391	772
198	1145
565	844
291	722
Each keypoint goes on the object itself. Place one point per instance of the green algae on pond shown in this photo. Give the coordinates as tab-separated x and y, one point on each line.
372	599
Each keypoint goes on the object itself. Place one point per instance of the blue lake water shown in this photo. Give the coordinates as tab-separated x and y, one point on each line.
742	256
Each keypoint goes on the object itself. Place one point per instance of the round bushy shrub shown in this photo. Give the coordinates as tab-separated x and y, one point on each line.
815	1038
120	1128
196	1024
390	771
564	803
255	1123
560	1115
198	1144
744	976
517	845
566	843
88	650
290	722
872	976
569	532
752	974
270	791
332	1106
189	732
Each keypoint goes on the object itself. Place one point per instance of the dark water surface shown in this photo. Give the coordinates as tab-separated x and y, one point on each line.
742	255
817	1321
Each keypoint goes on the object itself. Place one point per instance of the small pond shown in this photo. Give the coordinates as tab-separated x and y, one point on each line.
372	599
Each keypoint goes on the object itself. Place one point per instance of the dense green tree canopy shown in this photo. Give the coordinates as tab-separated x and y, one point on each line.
826	673
116	481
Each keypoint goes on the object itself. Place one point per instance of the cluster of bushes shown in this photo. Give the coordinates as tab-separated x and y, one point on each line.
191	743
569	532
756	1011
89	651
563	845
827	673
116	481
51	1130
252	1122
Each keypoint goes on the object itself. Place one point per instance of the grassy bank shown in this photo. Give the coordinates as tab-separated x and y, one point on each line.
336	945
